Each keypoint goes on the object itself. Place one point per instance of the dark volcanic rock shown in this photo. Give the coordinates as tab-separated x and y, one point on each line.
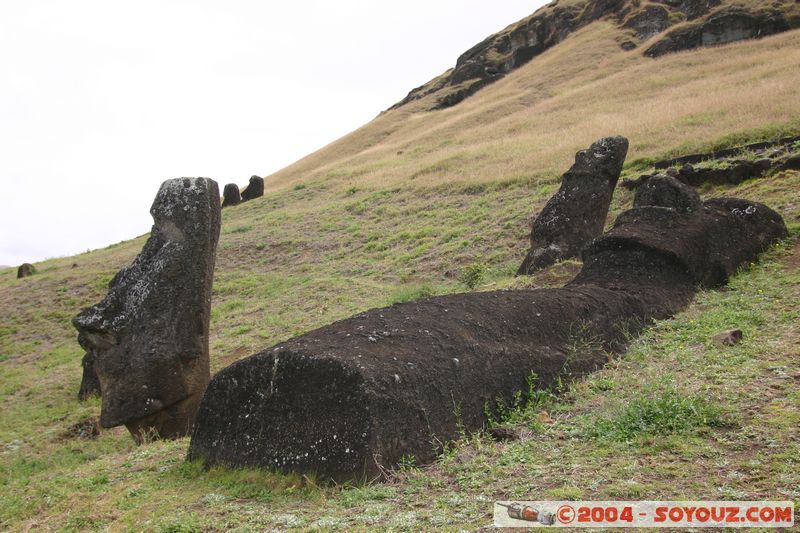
502	434
725	26
577	213
651	21
665	191
355	397
25	270
254	190
149	336
790	163
231	195
735	173
782	144
90	383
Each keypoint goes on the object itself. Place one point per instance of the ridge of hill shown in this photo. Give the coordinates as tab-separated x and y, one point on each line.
418	203
673	25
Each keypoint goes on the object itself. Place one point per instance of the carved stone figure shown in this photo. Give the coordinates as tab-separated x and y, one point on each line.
576	214
353	398
149	335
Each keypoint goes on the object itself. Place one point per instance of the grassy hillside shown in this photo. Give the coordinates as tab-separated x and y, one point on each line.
402	208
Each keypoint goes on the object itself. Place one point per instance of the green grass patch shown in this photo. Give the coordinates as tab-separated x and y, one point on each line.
409	293
665	413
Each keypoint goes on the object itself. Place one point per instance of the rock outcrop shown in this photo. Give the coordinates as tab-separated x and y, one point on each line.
577	213
730	166
355	397
255	189
707	22
25	270
724	26
149	335
231	195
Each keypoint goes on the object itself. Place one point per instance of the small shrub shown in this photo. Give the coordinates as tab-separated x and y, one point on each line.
666	413
473	275
299	187
524	408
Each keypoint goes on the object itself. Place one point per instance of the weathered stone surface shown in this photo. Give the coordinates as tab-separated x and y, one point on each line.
357	396
254	190
790	163
666	191
730	166
90	383
722	27
648	22
774	147
149	335
577	213
231	195
25	270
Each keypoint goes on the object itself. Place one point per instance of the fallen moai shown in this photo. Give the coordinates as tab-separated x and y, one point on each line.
577	213
357	396
149	335
255	189
25	270
231	195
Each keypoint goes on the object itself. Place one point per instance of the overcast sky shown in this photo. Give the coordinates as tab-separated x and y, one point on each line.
100	101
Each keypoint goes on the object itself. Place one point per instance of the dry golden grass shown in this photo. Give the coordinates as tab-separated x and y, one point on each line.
529	124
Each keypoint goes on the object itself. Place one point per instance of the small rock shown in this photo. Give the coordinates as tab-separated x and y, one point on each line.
25	270
728	338
501	434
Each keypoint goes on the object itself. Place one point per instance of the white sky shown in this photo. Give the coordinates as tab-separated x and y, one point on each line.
100	101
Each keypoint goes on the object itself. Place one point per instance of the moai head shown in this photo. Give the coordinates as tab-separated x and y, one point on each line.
149	335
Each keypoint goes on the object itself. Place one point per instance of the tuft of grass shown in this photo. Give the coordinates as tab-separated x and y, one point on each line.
242	229
665	413
525	407
409	293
